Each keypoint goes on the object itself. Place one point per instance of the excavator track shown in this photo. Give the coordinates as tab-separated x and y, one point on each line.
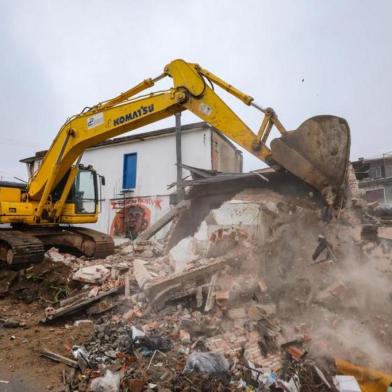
104	245
17	248
20	248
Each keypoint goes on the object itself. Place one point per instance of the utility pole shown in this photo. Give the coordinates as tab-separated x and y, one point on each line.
180	190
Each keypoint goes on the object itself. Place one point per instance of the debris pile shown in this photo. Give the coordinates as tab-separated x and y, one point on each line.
265	295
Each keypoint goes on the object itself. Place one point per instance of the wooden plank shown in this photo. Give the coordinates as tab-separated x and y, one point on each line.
68	310
59	358
162	222
211	294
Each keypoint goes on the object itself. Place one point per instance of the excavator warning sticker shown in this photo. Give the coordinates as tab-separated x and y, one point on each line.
95	120
205	109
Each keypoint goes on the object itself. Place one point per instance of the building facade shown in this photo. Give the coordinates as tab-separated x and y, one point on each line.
139	169
375	178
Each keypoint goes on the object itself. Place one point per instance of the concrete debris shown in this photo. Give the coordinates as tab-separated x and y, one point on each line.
237	313
141	273
179	285
126	250
78	323
385	232
184	337
92	274
54	255
182	254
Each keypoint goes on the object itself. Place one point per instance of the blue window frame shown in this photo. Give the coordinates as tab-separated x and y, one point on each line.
129	171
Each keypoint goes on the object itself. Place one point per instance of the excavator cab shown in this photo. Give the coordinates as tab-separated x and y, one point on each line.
85	192
83	196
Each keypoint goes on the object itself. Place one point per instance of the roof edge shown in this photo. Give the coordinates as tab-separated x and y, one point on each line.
130	138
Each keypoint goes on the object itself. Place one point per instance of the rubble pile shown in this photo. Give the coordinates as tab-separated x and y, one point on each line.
265	295
48	281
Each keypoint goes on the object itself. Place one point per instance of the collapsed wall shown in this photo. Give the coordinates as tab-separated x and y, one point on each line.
252	277
341	298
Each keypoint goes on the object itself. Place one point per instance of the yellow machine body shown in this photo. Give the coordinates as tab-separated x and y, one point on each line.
317	152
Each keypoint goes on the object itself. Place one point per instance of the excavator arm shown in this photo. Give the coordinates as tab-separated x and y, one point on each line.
190	91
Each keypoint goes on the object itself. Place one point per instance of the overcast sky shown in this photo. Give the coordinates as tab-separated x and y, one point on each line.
300	57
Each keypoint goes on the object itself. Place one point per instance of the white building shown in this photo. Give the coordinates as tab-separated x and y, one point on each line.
138	169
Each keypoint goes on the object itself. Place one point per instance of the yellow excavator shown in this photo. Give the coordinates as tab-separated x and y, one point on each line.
63	193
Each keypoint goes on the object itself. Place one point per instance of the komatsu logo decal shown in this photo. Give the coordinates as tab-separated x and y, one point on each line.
132	115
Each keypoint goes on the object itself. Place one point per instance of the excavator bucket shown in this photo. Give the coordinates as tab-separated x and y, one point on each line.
317	152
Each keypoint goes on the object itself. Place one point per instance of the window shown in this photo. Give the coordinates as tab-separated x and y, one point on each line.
375	172
85	192
129	172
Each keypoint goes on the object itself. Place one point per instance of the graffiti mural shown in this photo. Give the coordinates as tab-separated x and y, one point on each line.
135	214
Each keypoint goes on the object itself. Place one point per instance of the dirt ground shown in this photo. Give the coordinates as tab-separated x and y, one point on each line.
20	360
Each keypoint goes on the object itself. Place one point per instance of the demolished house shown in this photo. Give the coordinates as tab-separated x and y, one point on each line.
251	289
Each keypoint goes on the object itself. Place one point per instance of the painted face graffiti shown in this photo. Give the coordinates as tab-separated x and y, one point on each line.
131	221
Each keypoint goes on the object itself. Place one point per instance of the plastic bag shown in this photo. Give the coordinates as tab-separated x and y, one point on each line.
110	382
207	362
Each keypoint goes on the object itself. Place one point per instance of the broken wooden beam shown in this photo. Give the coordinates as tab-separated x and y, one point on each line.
181	284
211	294
59	358
76	298
73	308
162	222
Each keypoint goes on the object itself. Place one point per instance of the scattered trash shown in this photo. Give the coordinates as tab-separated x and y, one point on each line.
82	356
207	362
78	323
110	382
292	386
323	245
346	384
152	343
136	334
10	323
